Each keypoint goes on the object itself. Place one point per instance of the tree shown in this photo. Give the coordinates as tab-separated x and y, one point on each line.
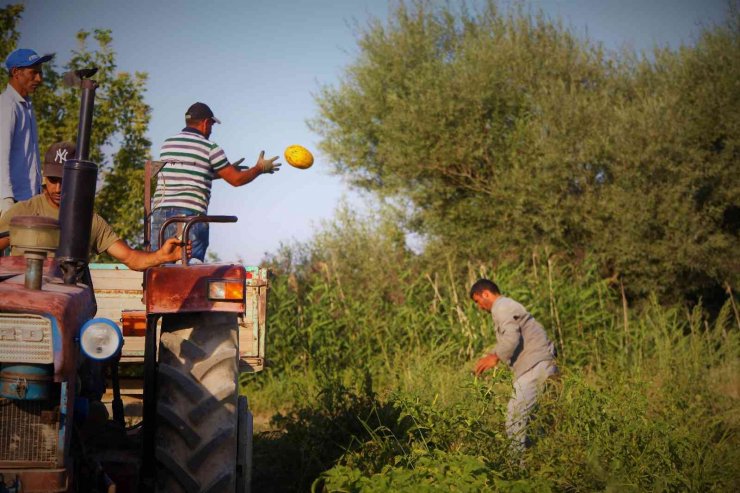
9	17
121	121
503	133
672	204
452	112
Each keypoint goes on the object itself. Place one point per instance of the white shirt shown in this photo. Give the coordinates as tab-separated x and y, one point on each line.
20	166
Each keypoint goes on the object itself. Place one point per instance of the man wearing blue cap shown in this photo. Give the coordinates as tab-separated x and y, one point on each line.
20	166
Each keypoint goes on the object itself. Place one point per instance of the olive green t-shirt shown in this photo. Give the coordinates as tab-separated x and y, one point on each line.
102	235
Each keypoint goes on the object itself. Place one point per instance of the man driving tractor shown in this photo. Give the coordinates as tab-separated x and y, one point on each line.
102	236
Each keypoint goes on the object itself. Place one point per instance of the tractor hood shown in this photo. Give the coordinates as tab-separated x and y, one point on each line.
67	306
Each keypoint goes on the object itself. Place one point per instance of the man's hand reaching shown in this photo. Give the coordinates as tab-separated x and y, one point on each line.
268	165
486	362
237	176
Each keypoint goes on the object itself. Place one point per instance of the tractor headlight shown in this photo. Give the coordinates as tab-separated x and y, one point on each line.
100	339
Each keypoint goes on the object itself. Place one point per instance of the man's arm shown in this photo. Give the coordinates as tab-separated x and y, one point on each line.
506	343
236	177
135	259
235	164
508	338
138	260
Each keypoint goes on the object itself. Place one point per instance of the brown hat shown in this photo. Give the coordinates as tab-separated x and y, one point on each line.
55	157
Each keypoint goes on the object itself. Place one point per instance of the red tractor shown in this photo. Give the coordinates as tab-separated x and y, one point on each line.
56	357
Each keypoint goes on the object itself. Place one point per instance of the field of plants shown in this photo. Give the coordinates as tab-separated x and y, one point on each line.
370	385
598	188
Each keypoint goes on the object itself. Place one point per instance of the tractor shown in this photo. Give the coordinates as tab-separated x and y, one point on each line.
190	332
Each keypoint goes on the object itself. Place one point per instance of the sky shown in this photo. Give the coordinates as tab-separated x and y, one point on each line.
259	65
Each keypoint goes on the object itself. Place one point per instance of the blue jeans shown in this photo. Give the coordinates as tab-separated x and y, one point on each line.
198	232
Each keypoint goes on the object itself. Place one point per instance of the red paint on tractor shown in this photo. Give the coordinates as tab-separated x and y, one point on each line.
70	305
184	289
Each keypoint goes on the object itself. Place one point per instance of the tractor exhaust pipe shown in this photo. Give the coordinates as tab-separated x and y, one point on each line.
34	271
75	217
84	126
78	187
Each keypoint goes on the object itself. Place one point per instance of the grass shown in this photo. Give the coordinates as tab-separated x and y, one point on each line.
666	425
370	387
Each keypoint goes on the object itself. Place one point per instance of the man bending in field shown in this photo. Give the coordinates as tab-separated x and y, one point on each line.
522	343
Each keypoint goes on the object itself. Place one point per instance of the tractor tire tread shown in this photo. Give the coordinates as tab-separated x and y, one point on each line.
188	482
207	405
196	460
189	387
182	347
181	426
219	484
201	368
197	403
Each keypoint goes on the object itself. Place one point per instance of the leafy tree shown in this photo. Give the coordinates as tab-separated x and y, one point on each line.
9	17
675	194
502	133
121	120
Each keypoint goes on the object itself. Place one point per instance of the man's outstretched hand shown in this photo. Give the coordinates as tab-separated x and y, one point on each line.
268	165
486	362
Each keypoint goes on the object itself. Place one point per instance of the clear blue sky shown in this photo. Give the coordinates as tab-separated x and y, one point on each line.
258	65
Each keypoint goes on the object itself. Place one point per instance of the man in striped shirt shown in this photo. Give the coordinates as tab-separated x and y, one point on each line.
192	163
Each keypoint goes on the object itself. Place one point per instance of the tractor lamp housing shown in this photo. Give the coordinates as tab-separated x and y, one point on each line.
226	290
100	339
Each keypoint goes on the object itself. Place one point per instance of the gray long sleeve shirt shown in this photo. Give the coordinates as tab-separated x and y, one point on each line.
521	340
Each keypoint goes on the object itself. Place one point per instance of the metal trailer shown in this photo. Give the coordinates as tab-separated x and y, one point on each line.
120	297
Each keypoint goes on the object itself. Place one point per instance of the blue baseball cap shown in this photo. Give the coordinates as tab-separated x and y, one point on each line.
24	57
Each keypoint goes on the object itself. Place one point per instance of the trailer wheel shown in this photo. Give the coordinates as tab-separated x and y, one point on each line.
196	437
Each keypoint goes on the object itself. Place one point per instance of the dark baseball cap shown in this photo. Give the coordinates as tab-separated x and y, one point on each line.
56	156
24	57
200	111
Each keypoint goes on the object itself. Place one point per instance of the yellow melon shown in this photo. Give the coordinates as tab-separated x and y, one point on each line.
298	156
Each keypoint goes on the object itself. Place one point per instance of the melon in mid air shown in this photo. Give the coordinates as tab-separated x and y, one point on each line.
298	156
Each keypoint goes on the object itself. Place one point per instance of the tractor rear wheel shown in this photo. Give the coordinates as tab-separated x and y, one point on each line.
196	437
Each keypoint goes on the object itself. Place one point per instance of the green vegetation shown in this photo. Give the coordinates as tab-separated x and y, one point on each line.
370	387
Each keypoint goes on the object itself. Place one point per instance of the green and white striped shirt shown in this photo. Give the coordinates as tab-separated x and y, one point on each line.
192	163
